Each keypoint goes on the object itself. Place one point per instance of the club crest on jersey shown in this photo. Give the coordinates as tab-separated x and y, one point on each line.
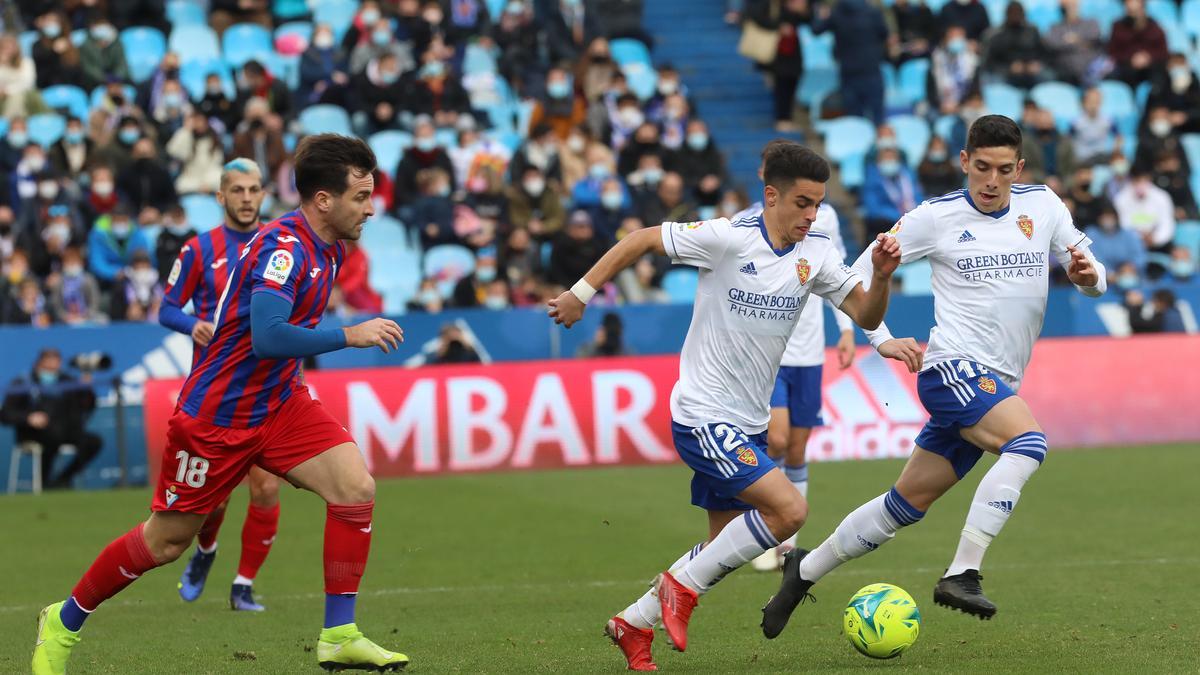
696	225
802	270
175	270
1025	224
895	228
745	455
171	496
987	384
279	267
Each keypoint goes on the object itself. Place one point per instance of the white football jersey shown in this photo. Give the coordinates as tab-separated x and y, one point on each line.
748	301
990	273
806	347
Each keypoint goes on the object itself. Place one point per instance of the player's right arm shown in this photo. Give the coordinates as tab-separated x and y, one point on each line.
184	279
701	244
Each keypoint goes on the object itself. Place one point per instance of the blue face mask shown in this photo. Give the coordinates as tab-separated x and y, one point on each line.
425	144
937	156
129	136
428	297
46	377
1182	268
381	37
956	46
18	139
52	30
1127	281
433	69
485	274
706	212
172	100
74	136
104	33
598	171
611	200
495	302
889	167
652	176
558	89
389	77
697	141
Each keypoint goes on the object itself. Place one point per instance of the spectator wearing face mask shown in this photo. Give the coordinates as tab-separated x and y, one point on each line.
939	173
1120	247
1177	90
1146	209
1161	315
28	305
669	204
1158	137
26	175
382	40
472	290
432	211
541	150
562	107
425	153
496	297
18	95
36	211
698	159
378	96
889	191
572	157
427	299
600	168
12	147
171	110
260	137
46	240
69	156
1015	51
1076	45
612	210
174	234
101	197
324	70
625	120
257	82
73	292
574	251
118	151
1086	207
1171	176
216	106
437	91
535	206
146	181
111	245
200	156
644	180
645	141
102	55
953	72
140	295
55	57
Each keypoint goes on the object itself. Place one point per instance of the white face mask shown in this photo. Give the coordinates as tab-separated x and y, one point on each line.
102	189
631	118
576	144
535	186
1160	127
48	190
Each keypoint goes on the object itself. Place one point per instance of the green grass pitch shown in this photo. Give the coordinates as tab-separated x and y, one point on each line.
518	573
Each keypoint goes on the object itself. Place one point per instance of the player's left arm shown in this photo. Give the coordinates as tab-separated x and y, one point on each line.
1071	248
866	306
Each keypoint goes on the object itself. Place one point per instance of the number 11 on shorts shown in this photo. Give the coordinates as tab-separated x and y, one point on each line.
192	471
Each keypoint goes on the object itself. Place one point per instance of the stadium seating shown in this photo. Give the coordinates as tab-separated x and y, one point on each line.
1191	148
944	126
642	79
626	51
913	135
144	49
1059	98
910	81
194	42
680	284
1189	15
1120	104
395	272
916	278
1187	235
46	129
203	211
300	29
817	49
1105	12
247	41
1003	99
1043	15
26	40
193	73
68	98
339	14
186	13
847	137
389	147
447	264
323	118
477	60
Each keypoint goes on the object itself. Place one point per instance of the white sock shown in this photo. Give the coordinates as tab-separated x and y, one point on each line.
995	499
206	550
240	580
646	610
742	540
866	528
799	477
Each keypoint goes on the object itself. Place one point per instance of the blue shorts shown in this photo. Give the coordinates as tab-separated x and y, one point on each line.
725	460
798	388
957	394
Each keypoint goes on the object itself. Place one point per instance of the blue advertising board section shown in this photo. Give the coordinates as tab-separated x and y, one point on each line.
147	350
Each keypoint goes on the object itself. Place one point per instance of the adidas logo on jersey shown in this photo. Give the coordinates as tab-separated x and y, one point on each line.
748	268
1004	505
966	236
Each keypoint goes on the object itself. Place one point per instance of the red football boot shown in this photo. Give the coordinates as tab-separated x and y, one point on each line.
633	641
678	601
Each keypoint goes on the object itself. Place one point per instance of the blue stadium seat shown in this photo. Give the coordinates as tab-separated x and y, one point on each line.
1187	235
67	97
203	211
495	7
916	278
194	42
339	14
627	50
389	147
913	134
144	49
1191	148
246	41
944	126
1189	15
3	126
477	60
193	73
1003	99
1101	174
847	137
1059	98
1177	38
186	13
1163	11
910	80
1043	15
815	86
818	49
642	79
46	129
395	270
448	264
680	284
325	118
995	10
1119	104
26	40
1105	12
283	67
301	29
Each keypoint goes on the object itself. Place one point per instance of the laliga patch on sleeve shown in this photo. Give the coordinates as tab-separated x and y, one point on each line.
279	267
175	270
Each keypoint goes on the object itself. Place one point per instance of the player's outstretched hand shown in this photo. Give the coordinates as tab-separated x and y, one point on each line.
566	309
906	350
202	332
845	349
886	256
1081	271
378	332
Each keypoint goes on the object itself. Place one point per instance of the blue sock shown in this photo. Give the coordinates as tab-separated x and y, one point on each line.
339	609
72	615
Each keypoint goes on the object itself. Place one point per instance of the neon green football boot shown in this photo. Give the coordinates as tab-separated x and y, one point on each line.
344	648
54	643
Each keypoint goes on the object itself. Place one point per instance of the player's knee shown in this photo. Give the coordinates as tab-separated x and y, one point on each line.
358	490
790	517
777	443
264	493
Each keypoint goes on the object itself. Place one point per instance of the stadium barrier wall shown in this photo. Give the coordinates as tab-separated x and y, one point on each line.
607	412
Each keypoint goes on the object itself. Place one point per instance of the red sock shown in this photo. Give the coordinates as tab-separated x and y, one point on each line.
117	566
257	536
207	538
347	542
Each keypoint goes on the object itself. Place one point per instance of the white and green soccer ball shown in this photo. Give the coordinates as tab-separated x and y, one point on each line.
882	621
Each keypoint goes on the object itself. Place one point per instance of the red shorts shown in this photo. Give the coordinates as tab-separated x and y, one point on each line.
202	463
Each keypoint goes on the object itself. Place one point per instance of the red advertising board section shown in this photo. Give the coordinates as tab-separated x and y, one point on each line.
602	412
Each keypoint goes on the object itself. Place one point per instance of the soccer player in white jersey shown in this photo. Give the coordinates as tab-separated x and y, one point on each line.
740	327
988	247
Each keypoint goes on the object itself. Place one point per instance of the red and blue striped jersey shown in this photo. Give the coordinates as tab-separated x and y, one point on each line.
202	269
230	386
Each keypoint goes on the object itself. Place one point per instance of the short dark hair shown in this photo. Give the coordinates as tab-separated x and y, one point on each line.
323	160
994	131
785	163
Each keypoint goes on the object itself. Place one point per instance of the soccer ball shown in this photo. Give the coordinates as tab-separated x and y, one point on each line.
882	621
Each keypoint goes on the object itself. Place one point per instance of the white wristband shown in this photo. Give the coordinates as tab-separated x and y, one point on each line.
583	290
